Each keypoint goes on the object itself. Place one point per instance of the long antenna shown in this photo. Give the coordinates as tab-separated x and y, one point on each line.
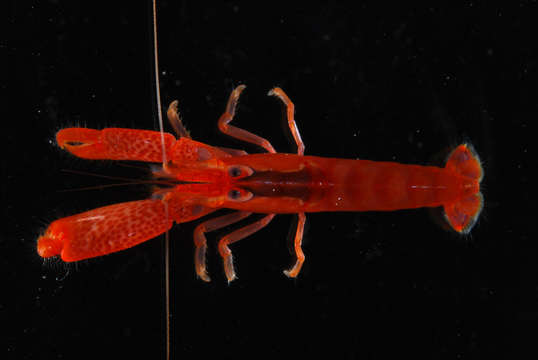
161	128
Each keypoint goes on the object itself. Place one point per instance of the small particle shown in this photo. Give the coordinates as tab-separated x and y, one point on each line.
338	200
489	51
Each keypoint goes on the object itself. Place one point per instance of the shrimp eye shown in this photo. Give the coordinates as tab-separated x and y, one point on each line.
239	171
234	171
234	194
239	195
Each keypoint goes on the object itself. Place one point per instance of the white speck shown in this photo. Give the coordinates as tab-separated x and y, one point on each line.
92	218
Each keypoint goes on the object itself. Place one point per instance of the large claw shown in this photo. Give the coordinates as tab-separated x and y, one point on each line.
104	230
115	143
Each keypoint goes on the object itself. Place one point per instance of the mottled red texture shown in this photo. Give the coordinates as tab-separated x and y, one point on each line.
104	230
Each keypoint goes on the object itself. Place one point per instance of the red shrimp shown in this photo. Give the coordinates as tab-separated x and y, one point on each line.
205	178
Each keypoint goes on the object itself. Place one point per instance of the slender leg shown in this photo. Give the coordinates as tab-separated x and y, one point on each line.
200	240
175	120
235	131
236	236
294	271
290	110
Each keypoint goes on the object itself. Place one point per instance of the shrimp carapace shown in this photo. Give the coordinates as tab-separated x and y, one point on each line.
463	213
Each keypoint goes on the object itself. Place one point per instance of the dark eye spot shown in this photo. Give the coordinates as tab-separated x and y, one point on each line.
234	194
234	171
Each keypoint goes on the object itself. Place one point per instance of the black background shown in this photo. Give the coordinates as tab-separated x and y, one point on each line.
380	82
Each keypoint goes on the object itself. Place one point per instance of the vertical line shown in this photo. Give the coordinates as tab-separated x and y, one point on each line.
157	82
167	285
163	149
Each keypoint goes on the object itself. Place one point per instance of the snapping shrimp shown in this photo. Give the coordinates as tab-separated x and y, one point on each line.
205	178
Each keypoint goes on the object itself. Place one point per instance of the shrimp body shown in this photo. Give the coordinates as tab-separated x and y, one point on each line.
205	178
288	183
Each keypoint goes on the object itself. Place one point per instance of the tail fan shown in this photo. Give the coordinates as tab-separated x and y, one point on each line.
463	214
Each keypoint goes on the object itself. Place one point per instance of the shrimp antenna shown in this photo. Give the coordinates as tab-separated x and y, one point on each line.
166	247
